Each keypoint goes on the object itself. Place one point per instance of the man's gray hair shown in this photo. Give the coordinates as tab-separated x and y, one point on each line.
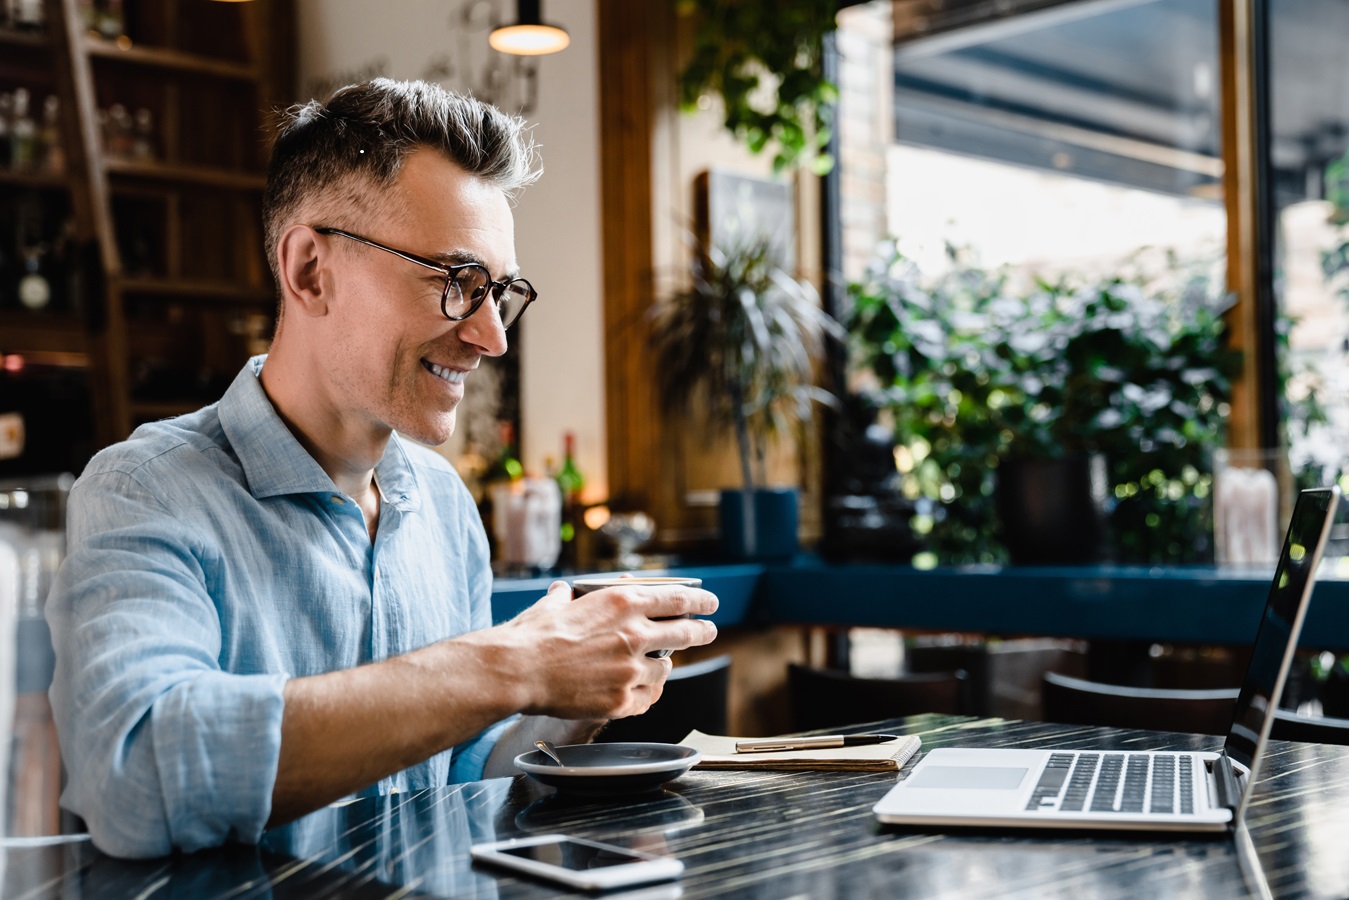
358	139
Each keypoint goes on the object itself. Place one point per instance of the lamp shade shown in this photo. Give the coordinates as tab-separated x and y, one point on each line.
528	36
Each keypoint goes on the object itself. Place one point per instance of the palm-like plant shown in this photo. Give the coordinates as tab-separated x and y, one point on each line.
744	337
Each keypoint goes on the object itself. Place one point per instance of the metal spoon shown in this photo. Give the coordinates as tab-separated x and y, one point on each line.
549	751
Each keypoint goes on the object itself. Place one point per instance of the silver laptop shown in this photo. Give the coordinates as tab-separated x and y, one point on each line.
1135	789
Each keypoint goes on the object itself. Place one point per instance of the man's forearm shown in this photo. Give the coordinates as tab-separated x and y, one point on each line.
343	731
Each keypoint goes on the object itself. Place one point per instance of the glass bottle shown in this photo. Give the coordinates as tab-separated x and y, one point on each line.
111	19
28	15
22	134
120	139
505	468
35	291
31	289
53	149
6	117
143	141
570	480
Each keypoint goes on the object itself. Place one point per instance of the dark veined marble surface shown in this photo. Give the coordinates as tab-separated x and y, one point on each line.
752	834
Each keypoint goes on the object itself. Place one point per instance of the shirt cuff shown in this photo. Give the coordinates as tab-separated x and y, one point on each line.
217	741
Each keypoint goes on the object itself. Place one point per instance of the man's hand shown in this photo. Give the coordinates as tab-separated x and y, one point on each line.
586	658
583	661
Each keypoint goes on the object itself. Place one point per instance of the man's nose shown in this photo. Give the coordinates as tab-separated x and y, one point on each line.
483	330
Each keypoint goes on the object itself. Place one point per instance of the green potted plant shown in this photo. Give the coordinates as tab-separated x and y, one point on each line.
982	380
766	63
740	344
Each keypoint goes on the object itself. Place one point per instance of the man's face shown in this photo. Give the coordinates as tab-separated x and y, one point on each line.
398	362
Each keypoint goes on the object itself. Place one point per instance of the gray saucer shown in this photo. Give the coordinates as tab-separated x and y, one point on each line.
609	769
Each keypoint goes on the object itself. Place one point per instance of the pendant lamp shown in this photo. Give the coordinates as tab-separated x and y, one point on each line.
528	36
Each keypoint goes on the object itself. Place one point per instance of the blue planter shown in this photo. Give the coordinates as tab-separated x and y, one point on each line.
774	526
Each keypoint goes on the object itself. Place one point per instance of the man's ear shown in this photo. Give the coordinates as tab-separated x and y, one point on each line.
301	258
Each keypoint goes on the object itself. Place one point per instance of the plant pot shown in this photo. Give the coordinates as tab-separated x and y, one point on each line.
770	534
1053	510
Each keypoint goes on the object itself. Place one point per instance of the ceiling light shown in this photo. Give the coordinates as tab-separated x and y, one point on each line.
529	36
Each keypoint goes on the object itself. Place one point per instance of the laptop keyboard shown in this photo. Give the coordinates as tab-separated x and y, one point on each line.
1144	783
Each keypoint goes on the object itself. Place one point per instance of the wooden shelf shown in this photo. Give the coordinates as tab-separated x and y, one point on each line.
184	174
206	73
31	333
11	38
39	180
172	60
209	291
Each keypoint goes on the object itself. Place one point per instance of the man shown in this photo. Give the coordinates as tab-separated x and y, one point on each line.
275	602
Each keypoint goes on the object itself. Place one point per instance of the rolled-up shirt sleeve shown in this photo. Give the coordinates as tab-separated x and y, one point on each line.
163	749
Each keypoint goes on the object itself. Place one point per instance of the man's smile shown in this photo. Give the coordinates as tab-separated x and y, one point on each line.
452	376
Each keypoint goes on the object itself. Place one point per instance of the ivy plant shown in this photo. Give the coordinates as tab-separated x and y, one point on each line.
766	63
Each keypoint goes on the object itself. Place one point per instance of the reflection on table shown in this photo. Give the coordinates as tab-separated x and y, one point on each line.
752	834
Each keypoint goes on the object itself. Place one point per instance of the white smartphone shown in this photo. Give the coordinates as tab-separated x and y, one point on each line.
577	862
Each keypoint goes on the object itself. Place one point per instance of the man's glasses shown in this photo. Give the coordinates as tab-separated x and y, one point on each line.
466	285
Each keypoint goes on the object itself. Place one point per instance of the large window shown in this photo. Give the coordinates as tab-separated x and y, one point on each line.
1309	176
1064	140
1085	139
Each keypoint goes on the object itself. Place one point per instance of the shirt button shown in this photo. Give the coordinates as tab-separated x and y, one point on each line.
338	500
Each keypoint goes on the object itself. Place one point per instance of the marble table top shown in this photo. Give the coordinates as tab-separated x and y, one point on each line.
753	834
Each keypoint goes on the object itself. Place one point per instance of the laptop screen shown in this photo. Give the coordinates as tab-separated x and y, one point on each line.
1280	623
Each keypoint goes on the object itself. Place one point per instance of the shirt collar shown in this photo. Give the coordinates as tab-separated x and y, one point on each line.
275	463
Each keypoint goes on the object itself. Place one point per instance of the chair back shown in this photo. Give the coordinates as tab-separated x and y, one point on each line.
824	699
694	697
1075	701
1289	726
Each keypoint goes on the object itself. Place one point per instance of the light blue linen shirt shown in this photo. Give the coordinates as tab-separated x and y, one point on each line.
210	559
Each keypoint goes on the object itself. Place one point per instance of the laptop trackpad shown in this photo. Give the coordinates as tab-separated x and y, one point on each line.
1003	778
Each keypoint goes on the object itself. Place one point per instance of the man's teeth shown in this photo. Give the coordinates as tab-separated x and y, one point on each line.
453	376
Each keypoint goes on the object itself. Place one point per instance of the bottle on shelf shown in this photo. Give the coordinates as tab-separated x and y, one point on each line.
22	134
110	19
32	289
6	119
505	468
51	147
118	132
570	481
28	16
143	138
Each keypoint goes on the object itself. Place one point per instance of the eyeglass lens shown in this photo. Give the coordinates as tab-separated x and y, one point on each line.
469	284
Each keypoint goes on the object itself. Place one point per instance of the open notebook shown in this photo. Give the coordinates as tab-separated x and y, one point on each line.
719	753
1077	787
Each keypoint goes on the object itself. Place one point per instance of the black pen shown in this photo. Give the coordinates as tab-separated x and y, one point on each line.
824	741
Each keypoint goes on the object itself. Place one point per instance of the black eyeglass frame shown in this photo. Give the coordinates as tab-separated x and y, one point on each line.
496	289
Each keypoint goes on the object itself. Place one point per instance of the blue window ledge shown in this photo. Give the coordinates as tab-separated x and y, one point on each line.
1200	604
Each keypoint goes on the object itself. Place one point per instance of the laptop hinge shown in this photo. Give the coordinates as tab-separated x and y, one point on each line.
1225	783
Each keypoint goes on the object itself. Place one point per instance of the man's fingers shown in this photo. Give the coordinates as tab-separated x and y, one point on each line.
558	592
659	601
682	633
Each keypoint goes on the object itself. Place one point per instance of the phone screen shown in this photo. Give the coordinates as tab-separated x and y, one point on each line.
574	855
